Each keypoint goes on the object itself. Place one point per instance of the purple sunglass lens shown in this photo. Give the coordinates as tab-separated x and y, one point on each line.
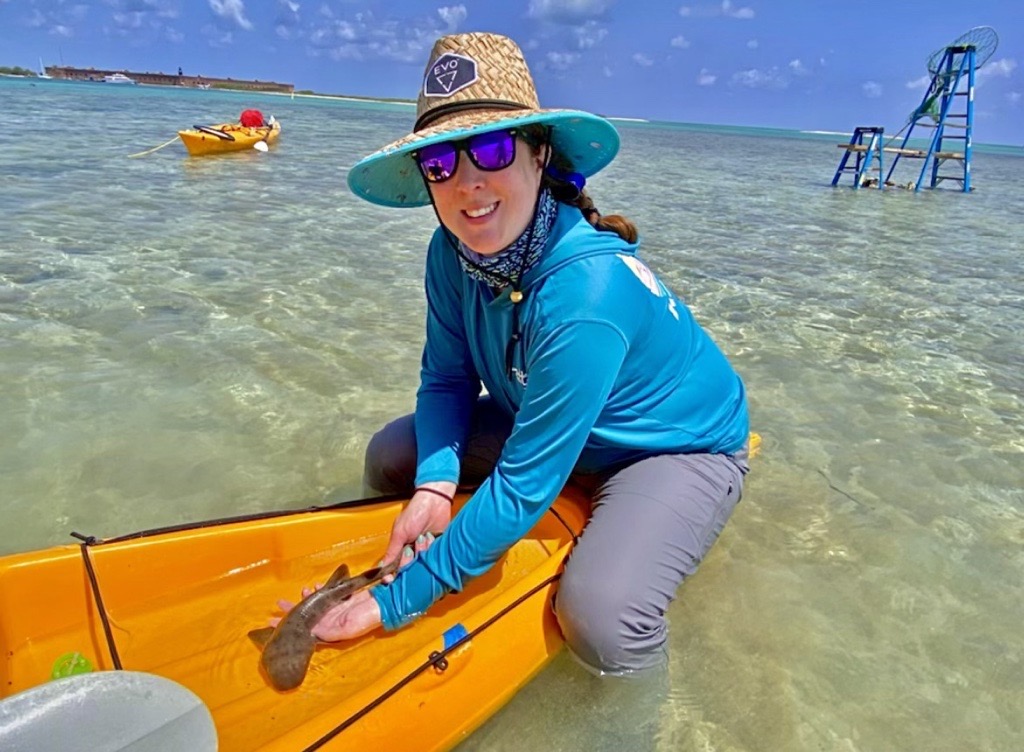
437	161
492	151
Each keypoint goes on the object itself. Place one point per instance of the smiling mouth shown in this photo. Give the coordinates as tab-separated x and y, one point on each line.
483	211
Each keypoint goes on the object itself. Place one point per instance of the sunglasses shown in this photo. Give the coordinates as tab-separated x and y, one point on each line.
490	152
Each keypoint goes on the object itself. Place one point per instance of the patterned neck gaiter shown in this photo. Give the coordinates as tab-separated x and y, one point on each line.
508	266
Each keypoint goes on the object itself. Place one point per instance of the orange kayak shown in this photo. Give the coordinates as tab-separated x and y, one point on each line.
178	603
227	137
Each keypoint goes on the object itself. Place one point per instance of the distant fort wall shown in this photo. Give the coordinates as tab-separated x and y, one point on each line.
167	79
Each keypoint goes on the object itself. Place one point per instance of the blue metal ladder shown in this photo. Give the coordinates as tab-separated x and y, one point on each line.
865	154
953	81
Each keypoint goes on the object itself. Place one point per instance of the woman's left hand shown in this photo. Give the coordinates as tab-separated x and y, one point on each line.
349	619
359	614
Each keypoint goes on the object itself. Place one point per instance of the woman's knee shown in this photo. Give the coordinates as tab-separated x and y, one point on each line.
610	631
390	462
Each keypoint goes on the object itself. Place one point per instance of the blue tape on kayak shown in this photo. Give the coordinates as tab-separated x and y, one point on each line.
454	635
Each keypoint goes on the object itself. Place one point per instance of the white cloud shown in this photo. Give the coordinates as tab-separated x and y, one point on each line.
128	20
706	77
366	37
641	59
216	37
726	9
798	68
680	41
567	11
589	34
755	78
1003	68
143	21
346	32
233	11
59	20
453	15
287	23
561	61
155	8
564	30
871	89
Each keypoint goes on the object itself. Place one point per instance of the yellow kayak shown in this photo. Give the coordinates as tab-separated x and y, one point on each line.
178	603
227	137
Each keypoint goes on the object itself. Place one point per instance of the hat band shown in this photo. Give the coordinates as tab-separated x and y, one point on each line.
437	113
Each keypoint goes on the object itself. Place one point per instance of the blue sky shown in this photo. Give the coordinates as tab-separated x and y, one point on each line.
803	64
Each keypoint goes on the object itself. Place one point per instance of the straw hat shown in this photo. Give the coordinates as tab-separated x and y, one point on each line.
475	83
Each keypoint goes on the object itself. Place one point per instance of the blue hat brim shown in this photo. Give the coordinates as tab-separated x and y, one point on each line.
390	177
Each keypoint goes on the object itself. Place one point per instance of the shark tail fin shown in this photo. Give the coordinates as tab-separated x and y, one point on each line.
286	664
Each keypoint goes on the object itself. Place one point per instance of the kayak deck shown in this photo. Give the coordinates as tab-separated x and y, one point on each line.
180	605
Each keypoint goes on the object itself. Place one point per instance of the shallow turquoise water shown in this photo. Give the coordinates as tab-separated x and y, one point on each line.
190	338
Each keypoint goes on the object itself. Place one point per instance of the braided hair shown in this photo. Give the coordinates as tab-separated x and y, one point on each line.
566	192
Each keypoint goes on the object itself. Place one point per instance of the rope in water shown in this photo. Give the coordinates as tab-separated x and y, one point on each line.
155	148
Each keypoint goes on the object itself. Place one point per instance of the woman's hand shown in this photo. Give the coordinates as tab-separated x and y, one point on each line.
349	619
425	516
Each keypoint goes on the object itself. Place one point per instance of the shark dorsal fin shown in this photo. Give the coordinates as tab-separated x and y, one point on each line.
261	636
340	575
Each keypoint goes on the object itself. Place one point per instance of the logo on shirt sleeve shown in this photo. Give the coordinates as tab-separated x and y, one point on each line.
650	281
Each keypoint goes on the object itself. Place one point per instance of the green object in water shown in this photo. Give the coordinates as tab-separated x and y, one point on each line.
70	664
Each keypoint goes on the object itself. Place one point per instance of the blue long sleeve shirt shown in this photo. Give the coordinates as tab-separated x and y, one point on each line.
612	367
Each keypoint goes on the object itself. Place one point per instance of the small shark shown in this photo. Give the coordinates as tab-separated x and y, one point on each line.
288	647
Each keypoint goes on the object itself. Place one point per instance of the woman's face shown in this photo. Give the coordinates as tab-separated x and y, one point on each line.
487	211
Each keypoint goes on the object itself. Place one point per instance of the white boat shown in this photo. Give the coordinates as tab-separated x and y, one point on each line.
117	78
42	70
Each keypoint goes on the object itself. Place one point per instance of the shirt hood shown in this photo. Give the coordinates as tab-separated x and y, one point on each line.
572	237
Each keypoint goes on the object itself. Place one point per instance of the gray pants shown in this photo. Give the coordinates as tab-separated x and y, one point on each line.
652	523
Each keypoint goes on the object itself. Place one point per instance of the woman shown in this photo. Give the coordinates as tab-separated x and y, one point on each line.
592	368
